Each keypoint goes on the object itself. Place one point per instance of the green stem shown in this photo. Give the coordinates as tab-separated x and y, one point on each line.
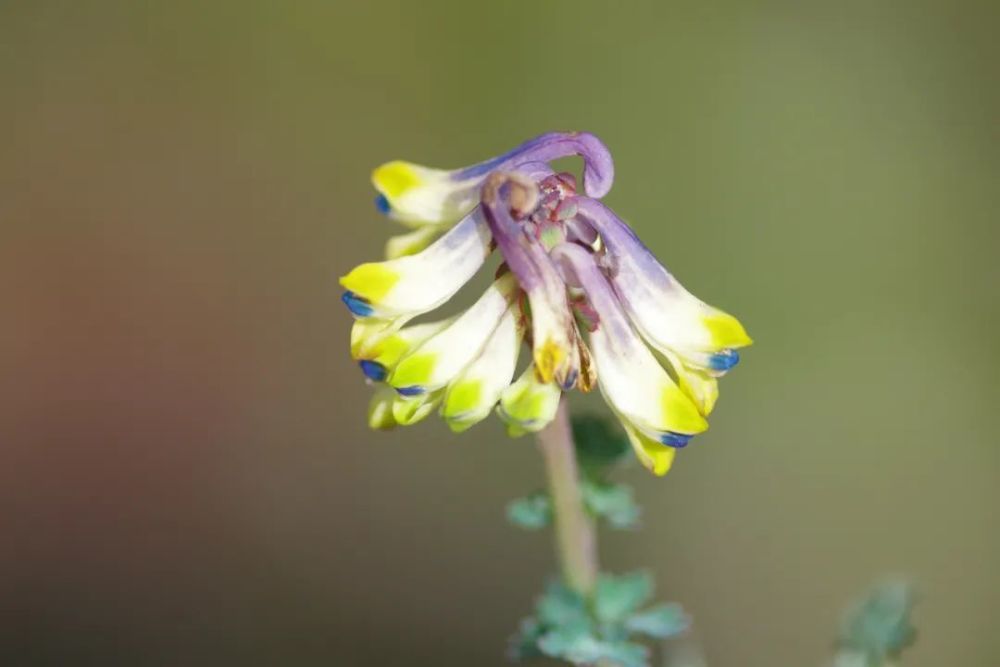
576	542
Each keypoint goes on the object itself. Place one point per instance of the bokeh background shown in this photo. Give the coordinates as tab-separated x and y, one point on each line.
185	473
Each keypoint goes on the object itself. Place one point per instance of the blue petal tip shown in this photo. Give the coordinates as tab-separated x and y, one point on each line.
570	380
356	304
382	205
373	370
415	390
677	440
723	361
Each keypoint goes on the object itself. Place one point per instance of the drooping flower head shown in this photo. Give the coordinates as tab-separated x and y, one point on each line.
575	286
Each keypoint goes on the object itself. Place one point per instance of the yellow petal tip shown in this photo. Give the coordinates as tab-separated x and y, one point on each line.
407	411
725	330
662	464
394	178
680	414
371	281
654	457
414	370
380	410
463	397
701	388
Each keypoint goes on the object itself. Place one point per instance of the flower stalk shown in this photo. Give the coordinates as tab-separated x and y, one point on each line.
576	540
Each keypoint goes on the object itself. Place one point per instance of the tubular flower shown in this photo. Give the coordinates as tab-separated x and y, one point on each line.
575	286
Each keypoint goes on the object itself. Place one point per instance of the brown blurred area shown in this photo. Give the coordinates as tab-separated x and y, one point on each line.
186	477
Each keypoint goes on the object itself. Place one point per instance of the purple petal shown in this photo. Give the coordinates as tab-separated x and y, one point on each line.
598	168
580	268
552	321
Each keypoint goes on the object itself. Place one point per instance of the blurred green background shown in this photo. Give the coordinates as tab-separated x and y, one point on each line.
185	473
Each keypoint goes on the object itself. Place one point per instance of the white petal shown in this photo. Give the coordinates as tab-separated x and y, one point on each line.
553	334
634	383
471	396
631	379
417	195
416	284
411	243
437	361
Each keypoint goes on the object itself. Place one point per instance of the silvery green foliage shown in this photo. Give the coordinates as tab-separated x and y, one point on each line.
612	502
877	628
661	621
532	512
848	658
565	626
599	446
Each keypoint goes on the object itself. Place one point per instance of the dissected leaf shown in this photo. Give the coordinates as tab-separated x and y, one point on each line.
531	512
625	654
879	625
573	642
660	622
576	643
850	658
599	630
561	606
524	644
615	598
612	502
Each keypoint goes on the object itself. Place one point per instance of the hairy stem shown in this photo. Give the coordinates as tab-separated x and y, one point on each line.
576	542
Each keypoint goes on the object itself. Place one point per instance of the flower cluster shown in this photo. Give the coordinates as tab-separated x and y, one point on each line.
576	286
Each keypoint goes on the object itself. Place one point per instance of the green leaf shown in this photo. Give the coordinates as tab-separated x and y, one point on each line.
615	598
577	644
849	658
600	629
612	502
599	443
573	642
626	654
531	512
561	627
880	626
524	644
561	606
660	622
